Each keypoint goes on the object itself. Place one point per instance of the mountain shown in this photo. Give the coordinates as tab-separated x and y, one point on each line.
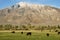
26	13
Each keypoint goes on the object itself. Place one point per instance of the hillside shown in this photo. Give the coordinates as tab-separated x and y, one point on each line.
26	13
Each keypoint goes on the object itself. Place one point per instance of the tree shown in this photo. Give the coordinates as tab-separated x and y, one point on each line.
8	27
18	6
58	26
42	28
49	28
54	28
16	27
1	27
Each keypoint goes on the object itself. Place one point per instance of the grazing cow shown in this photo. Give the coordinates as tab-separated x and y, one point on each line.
58	33
29	33
13	32
56	30
47	34
21	32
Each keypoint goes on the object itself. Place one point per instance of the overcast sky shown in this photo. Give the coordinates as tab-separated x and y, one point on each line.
6	3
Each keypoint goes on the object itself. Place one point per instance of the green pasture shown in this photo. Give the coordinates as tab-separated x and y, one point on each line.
34	36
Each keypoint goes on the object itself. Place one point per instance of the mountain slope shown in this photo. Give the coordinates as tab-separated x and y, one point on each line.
25	13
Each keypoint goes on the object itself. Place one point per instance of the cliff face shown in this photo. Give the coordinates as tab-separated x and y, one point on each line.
24	13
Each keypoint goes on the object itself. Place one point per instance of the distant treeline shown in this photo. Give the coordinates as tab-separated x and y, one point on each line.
28	27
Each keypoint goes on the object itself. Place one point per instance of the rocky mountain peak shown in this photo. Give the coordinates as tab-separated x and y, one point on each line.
25	13
24	4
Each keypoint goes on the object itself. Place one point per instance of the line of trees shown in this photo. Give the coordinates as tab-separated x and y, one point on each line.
28	27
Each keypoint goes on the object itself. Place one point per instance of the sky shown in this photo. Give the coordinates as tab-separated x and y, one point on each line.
7	3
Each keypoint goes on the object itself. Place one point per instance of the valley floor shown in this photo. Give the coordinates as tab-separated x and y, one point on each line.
36	35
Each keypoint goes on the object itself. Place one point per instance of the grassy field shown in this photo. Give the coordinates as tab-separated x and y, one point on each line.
34	36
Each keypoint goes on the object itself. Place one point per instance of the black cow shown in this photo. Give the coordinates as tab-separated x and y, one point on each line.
21	32
13	32
47	34
58	33
29	33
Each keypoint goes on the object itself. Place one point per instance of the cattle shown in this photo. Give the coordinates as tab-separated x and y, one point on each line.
21	32
58	33
13	32
47	34
29	33
56	30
